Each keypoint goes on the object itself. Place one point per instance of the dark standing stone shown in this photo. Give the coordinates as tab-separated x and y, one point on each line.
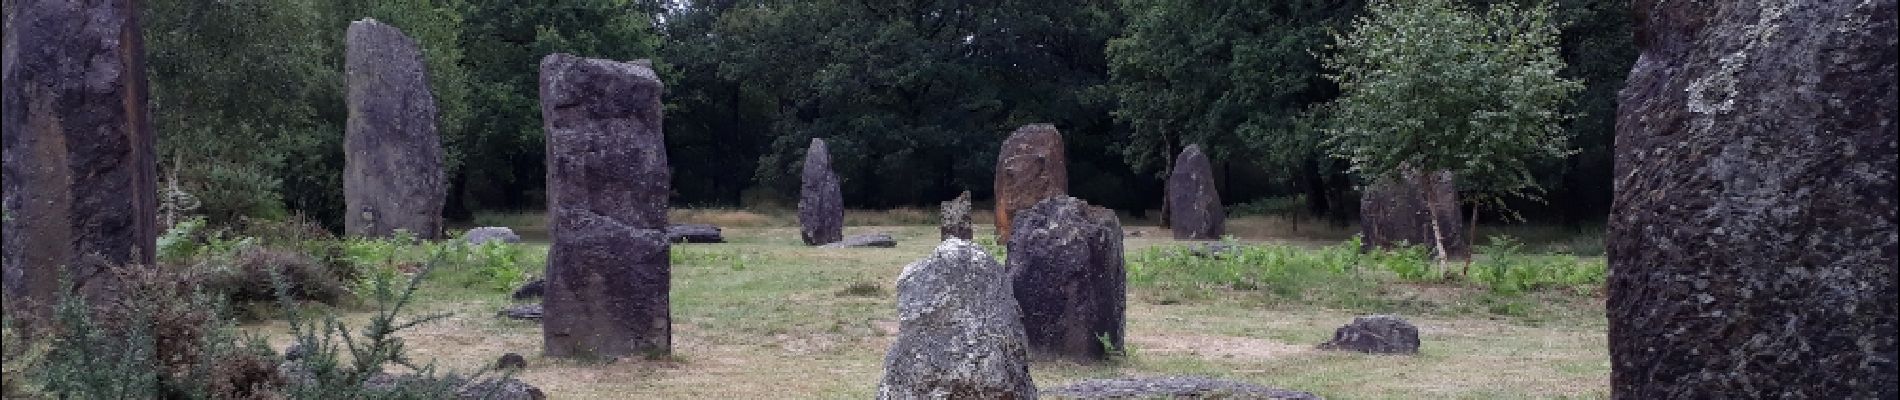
1753	243
1065	259
80	180
959	333
609	274
1394	212
392	157
1031	166
820	201
694	233
483	235
1381	334
1172	387
955	219
1194	206
871	240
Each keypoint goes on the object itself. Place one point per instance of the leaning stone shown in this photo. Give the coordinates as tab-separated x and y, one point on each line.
392	157
80	179
694	233
954	222
1066	260
1380	334
872	240
1030	167
820	199
483	235
1194	208
959	332
609	271
1753	246
1172	387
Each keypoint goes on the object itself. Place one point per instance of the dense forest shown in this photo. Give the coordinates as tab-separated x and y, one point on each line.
913	96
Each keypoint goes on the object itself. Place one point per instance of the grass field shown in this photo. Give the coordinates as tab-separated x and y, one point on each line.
766	317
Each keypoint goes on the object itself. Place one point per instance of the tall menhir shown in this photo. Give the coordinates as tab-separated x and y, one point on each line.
608	276
392	157
80	180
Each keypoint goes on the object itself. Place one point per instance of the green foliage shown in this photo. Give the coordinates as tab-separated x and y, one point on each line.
1343	275
22	361
1507	269
1433	85
492	266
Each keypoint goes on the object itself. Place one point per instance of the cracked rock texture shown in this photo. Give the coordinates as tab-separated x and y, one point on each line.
959	333
608	273
80	179
1752	246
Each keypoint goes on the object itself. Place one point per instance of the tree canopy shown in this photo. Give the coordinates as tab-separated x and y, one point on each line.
913	96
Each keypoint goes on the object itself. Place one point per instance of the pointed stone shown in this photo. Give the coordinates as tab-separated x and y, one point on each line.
1031	166
820	200
392	156
1194	204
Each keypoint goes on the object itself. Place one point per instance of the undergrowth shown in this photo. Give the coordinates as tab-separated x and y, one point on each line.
1342	275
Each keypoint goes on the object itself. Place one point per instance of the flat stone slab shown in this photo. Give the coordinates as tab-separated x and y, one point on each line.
525	312
694	233
1171	387
872	240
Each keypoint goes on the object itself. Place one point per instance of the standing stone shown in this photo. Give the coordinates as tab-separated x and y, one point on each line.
1030	167
608	267
1752	244
392	157
955	220
1193	204
1065	259
1394	212
820	201
959	333
80	180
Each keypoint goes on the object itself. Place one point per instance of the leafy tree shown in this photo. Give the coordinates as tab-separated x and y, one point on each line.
502	44
1240	83
1433	85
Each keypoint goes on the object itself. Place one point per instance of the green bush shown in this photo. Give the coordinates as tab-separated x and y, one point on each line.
1505	268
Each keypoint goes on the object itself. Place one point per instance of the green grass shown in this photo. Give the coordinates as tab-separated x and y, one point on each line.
767	317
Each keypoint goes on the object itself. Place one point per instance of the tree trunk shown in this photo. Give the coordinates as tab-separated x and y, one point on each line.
1425	182
1471	239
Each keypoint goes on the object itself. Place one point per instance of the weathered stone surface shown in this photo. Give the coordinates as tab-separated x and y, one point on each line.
608	274
694	233
533	289
526	312
820	200
954	222
1065	259
1194	206
959	332
867	240
1382	334
1394	212
80	180
1752	243
392	157
1172	387
1031	166
483	235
